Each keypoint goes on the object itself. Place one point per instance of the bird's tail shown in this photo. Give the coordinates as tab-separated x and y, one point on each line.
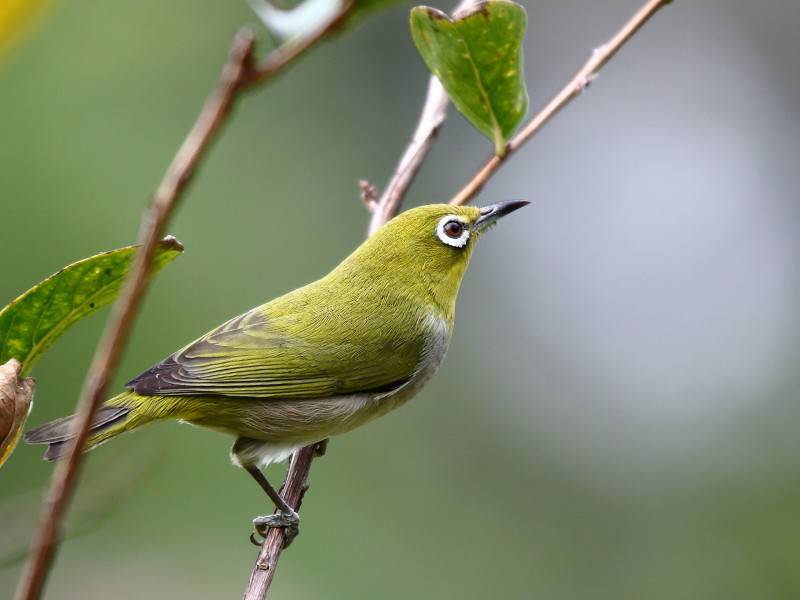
118	415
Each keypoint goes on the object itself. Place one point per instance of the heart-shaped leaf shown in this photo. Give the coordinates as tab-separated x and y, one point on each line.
32	322
477	55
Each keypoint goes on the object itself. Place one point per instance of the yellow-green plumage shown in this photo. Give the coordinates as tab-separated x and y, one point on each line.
317	361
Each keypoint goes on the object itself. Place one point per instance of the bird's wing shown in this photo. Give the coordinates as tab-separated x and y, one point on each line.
254	355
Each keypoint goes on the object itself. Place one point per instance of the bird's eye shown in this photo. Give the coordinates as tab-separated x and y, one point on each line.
452	231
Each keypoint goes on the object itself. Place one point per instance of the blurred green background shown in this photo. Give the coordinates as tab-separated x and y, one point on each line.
617	417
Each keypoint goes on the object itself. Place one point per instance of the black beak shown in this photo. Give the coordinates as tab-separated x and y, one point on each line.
490	214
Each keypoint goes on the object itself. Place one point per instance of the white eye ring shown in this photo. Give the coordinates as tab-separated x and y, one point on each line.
458	242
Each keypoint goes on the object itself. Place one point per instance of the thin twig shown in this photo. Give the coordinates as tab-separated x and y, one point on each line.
110	348
433	115
434	112
369	194
576	85
238	74
103	492
295	48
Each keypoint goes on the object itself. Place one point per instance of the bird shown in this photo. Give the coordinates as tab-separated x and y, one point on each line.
316	362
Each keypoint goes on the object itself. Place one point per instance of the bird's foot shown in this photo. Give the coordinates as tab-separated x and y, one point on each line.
290	521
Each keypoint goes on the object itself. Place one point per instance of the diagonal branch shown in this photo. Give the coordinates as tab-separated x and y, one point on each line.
238	74
293	49
434	112
579	82
110	348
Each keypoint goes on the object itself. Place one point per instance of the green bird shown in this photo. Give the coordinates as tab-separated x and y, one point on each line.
316	362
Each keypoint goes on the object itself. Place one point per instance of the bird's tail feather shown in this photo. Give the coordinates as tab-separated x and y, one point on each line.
113	418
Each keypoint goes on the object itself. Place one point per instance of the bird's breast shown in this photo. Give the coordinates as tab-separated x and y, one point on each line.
436	333
437	340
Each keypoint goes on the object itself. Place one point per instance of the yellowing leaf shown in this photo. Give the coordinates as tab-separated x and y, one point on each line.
15	17
15	403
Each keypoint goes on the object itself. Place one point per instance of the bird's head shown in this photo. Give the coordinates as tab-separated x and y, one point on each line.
424	251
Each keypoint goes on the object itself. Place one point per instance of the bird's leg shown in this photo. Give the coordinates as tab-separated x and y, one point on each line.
285	516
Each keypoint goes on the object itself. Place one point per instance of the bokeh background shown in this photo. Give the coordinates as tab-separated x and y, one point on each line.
618	414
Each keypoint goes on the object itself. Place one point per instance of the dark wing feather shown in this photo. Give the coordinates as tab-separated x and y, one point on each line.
254	355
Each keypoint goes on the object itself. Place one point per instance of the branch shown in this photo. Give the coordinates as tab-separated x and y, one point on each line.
369	194
434	112
104	491
110	348
293	489
293	49
579	82
238	74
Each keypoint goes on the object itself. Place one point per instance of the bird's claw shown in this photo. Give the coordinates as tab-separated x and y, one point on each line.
289	521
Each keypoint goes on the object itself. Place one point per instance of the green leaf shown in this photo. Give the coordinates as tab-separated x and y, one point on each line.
31	323
477	55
